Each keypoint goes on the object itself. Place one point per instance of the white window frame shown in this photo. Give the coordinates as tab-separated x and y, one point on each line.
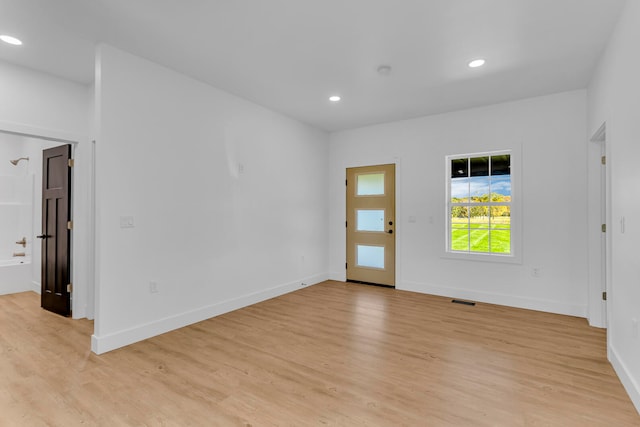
515	256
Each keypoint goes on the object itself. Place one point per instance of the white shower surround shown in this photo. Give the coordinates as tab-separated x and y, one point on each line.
16	214
15	275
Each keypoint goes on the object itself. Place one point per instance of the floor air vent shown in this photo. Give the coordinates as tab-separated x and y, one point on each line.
457	301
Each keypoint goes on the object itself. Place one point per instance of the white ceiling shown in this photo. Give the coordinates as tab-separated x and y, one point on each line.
290	55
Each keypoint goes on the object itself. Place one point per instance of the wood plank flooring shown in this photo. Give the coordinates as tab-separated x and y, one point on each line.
331	354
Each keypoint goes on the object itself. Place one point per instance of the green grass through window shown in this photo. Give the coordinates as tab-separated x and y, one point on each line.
474	236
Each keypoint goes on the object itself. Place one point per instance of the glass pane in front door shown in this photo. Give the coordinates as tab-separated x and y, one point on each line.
370	219
370	184
370	256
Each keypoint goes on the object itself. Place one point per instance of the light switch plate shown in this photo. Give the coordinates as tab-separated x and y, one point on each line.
126	222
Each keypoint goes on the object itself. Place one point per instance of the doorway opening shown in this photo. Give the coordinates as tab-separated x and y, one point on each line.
21	200
20	211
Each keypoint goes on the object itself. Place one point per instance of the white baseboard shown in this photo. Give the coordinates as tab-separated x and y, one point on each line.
79	312
495	298
36	287
7	290
105	343
630	384
597	323
338	276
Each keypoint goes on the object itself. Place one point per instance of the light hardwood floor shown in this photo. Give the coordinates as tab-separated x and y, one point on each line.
330	354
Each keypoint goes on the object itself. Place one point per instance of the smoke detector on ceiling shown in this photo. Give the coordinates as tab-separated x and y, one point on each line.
384	70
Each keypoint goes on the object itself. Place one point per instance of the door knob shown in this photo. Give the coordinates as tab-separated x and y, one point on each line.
42	236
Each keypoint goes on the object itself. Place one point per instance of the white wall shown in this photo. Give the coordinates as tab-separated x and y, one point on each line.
40	101
40	105
614	99
228	201
11	148
551	132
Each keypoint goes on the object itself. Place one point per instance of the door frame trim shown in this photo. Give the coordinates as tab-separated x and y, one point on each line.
598	311
342	242
82	238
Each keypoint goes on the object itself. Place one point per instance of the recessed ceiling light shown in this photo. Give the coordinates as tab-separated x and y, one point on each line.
11	40
476	63
334	98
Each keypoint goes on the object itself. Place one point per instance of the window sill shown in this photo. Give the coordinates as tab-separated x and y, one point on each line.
504	259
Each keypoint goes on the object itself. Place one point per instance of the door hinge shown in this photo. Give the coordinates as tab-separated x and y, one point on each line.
603	160
345	265
71	163
604	296
69	225
345	224
604	228
345	182
70	288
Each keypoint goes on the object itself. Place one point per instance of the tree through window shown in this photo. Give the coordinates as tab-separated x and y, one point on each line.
479	201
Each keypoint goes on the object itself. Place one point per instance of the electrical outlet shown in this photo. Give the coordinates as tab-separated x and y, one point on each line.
535	271
303	284
153	287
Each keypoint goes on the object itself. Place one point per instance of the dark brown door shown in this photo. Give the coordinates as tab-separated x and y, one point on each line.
56	197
